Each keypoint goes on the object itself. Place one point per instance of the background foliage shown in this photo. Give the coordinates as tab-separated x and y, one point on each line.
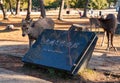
95	4
101	4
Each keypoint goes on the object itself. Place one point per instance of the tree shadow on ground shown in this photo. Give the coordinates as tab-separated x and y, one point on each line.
15	64
12	40
12	23
69	22
6	30
112	51
106	63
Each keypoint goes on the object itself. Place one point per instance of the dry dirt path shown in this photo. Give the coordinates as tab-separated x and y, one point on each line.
12	43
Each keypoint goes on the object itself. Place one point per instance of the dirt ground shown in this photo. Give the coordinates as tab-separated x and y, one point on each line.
88	76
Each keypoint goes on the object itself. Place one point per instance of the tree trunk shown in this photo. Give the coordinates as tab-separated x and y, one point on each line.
18	7
67	3
109	4
118	15
61	9
115	1
42	9
29	10
10	7
3	10
85	9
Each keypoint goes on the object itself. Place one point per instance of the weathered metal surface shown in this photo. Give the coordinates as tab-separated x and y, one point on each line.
64	50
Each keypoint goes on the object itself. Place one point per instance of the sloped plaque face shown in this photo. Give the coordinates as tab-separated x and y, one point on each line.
61	49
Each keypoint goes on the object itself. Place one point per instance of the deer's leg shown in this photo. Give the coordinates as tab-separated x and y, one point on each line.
90	26
30	42
112	35
112	40
103	38
95	29
108	39
98	30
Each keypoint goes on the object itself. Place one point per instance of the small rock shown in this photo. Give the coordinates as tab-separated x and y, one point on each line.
9	27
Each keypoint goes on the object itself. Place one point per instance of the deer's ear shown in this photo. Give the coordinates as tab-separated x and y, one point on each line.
33	24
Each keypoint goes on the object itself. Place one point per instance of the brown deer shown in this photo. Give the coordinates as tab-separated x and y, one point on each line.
34	29
109	25
94	22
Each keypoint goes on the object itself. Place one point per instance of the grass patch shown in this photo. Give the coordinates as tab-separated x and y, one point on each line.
89	74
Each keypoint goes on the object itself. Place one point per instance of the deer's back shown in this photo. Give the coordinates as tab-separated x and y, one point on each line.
94	21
